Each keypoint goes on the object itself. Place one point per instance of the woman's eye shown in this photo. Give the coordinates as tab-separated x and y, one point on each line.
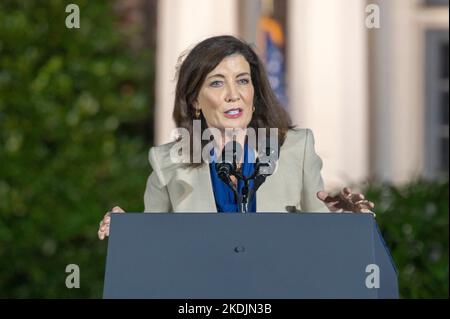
244	81
216	83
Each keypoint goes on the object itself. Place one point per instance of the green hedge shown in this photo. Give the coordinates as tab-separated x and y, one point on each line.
414	222
73	103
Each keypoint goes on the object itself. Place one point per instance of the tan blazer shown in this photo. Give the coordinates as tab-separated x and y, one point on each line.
172	187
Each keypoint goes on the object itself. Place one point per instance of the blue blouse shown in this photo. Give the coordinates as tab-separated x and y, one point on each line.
223	194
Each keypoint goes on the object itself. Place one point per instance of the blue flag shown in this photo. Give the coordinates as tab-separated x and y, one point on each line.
275	68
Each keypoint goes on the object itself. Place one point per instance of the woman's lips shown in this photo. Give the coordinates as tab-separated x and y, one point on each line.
233	113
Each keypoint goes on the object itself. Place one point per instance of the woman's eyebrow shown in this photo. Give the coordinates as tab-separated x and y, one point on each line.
222	76
242	74
216	75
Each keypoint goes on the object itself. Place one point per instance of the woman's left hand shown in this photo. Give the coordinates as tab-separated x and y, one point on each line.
346	201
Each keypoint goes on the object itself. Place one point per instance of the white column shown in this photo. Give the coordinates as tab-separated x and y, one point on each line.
182	24
327	83
398	91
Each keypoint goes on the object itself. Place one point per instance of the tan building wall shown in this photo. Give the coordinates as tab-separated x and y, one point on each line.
360	90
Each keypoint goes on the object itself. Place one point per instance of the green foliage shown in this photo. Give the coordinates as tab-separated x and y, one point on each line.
72	107
414	222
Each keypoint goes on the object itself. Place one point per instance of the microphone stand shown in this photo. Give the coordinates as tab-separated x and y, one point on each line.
243	200
247	193
226	169
258	178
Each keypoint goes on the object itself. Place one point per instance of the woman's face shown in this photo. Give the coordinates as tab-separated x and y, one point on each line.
226	96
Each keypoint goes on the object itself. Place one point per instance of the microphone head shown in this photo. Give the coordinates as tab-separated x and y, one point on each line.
226	165
224	170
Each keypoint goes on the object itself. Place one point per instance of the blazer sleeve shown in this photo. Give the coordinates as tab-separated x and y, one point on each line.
312	179
156	196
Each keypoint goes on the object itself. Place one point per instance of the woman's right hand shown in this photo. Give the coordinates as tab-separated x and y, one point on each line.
103	230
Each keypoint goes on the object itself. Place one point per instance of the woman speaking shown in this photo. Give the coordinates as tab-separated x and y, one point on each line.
223	86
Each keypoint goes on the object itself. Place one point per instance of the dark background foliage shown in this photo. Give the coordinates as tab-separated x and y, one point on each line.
414	222
75	130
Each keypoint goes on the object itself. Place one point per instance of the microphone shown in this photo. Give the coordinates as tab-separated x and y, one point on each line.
268	153
227	167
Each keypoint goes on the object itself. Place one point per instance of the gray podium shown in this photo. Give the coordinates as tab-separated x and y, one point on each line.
249	256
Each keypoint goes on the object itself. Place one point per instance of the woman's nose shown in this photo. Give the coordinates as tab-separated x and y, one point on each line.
232	94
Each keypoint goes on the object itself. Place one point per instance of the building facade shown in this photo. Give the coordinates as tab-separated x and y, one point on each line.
370	77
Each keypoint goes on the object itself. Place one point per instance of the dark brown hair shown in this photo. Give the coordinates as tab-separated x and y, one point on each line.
201	60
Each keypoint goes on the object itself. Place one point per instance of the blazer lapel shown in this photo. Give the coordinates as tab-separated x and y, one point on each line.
269	197
263	197
197	193
199	196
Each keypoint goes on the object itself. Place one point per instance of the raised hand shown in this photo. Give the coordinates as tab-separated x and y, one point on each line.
346	201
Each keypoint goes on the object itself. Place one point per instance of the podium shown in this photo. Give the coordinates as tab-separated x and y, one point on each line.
247	256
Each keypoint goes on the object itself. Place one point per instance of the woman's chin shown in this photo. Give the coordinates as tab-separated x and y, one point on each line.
235	124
